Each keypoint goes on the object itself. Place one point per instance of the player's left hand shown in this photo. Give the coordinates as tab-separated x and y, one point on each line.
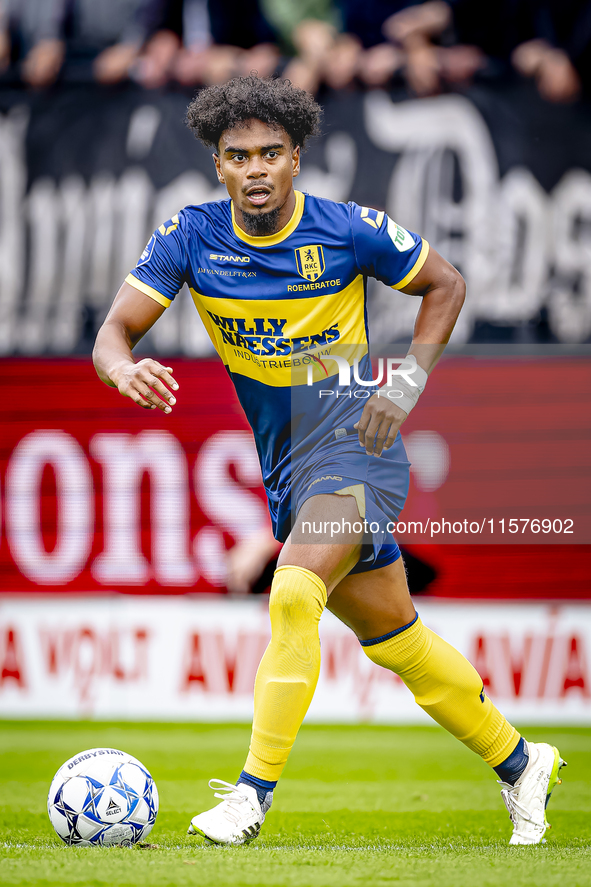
379	424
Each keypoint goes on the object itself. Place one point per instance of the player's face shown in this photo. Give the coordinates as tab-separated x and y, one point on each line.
257	164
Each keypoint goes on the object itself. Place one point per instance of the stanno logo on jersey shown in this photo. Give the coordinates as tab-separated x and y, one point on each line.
217	258
310	261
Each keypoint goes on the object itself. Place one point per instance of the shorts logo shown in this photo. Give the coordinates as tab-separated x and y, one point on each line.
328	477
310	262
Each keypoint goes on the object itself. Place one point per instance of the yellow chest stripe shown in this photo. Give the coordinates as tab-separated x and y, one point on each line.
267	339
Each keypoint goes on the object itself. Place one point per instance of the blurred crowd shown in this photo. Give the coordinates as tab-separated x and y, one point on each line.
429	45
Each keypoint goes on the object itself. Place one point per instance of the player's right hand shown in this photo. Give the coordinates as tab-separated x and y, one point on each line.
144	382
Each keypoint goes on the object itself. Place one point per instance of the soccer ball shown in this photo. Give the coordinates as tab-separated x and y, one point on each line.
102	796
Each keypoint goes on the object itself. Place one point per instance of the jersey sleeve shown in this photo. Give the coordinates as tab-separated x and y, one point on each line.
162	267
385	250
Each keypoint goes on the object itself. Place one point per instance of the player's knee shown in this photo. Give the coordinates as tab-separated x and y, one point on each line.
298	597
401	648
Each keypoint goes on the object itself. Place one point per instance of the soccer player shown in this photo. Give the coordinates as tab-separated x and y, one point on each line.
279	279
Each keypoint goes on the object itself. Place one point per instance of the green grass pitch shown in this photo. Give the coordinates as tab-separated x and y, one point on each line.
357	805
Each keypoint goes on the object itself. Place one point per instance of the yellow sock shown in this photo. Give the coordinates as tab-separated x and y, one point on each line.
448	688
288	673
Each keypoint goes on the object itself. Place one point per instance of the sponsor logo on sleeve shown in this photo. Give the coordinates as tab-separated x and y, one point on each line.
400	237
147	253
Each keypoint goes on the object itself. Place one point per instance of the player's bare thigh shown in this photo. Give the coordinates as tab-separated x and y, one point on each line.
373	603
321	540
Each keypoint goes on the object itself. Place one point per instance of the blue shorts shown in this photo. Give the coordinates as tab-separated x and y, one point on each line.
342	464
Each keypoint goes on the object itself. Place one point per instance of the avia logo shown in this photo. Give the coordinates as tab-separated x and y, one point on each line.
112	808
407	366
550	664
217	258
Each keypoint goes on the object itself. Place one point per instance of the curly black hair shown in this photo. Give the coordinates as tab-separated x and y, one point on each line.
276	102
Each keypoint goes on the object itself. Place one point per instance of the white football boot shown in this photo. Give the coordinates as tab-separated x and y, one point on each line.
237	820
527	800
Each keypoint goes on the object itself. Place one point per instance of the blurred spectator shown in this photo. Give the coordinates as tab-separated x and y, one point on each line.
413	29
313	40
286	17
93	39
376	60
223	40
447	43
306	31
89	37
32	32
555	75
4	37
433	44
103	38
163	22
559	55
247	560
241	24
365	18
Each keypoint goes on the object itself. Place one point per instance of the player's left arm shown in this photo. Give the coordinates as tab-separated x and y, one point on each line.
442	290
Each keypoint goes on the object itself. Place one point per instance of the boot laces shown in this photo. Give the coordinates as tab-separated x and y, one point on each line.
514	808
232	796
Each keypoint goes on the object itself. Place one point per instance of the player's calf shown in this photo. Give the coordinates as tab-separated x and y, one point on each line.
449	689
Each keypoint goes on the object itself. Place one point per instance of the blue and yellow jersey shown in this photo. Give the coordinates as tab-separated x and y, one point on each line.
277	307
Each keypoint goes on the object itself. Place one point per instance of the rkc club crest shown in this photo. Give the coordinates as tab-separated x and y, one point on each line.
310	262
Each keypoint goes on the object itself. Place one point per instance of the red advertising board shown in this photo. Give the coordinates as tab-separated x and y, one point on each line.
98	495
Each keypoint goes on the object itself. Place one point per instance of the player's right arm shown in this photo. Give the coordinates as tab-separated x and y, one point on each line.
131	316
148	290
